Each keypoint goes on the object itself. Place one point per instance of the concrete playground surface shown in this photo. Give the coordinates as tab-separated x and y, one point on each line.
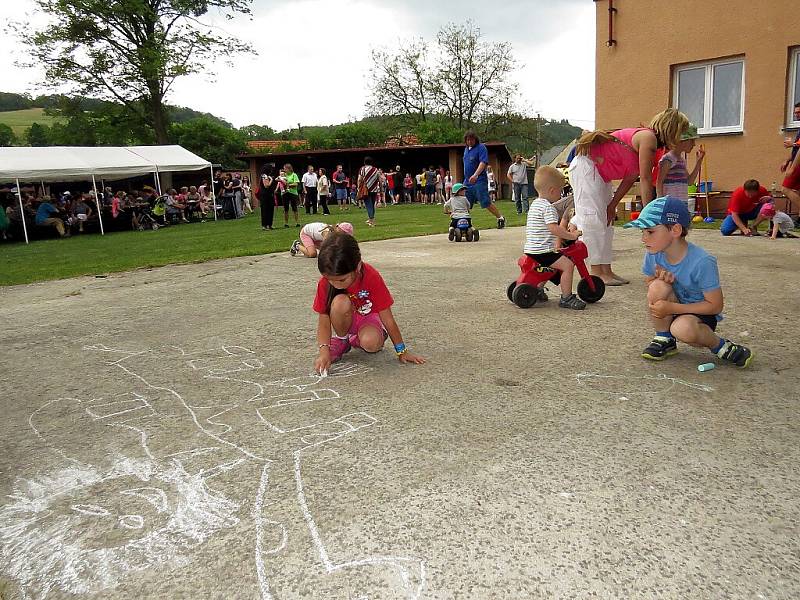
162	437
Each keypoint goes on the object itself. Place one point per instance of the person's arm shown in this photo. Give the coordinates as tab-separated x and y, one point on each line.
775	229
561	232
323	360
696	171
647	150
740	224
663	170
447	208
711	304
404	356
508	175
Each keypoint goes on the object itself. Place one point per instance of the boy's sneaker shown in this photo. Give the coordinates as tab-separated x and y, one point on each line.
572	301
501	222
735	353
339	347
295	246
660	348
541	295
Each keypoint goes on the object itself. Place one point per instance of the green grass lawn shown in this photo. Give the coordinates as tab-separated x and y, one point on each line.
20	120
92	254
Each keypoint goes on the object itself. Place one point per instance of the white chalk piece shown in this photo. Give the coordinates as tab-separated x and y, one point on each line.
706	367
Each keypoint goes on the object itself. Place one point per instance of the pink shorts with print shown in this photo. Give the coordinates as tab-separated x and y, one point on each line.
308	241
359	321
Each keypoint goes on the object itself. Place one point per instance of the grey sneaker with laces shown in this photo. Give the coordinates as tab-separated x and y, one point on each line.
572	301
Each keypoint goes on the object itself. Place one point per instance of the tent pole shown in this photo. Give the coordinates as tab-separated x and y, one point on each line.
213	191
99	210
22	213
158	181
43	191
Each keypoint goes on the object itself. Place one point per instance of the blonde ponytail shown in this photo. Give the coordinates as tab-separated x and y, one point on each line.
589	139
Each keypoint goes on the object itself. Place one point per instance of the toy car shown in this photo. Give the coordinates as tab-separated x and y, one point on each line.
463	230
526	290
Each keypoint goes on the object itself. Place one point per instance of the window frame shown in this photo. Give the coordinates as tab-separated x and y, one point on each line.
794	64
706	128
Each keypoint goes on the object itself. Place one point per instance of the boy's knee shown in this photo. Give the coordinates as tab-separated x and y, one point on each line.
658	290
685	329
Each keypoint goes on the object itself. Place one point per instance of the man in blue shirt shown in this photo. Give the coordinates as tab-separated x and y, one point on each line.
45	218
476	159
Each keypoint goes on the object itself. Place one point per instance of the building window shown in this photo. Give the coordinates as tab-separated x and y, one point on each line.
794	86
712	95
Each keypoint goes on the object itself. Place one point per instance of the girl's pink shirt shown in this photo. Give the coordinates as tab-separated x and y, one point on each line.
617	161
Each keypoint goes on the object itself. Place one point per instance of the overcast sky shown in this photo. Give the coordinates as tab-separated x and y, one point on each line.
300	42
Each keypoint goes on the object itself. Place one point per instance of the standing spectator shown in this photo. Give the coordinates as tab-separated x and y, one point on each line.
390	186
246	194
420	182
47	216
518	176
399	185
408	187
492	184
266	196
603	157
381	196
236	186
745	204
323	191
438	187
476	159
310	189
290	195
791	168
340	185
448	185
369	181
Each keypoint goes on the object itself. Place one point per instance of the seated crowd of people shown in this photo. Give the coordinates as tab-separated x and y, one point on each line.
71	213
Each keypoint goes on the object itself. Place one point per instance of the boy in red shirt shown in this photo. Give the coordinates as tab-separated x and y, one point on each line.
745	204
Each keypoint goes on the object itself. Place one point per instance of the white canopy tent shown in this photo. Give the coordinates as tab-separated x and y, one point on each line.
71	163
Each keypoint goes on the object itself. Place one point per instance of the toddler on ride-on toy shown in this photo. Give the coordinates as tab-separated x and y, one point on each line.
460	222
542	262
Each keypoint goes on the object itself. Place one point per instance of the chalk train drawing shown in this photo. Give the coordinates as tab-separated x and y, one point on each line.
159	497
644	385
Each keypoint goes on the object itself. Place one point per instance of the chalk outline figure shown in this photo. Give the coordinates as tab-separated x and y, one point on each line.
290	391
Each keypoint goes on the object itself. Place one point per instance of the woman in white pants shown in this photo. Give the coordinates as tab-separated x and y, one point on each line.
625	154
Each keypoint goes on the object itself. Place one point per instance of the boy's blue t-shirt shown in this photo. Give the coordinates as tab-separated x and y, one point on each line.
696	274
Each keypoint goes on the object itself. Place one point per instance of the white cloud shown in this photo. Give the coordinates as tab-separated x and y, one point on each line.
313	56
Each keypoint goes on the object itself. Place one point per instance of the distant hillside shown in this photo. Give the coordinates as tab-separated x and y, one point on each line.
21	120
20	111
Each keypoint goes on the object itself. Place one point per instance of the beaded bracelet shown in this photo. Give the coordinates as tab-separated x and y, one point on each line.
400	349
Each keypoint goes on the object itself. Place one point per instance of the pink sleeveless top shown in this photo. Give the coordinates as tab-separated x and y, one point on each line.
618	161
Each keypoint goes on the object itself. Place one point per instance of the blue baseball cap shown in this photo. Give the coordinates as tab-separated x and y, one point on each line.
662	211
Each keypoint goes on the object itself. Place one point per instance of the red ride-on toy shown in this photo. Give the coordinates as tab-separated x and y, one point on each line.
525	291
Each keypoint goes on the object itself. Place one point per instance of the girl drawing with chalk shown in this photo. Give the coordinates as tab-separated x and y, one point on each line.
354	305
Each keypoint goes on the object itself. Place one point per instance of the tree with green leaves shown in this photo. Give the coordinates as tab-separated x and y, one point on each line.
463	77
38	135
214	142
7	137
131	51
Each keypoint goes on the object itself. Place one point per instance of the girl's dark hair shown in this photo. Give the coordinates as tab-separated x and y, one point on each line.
367	160
471	133
268	169
338	255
